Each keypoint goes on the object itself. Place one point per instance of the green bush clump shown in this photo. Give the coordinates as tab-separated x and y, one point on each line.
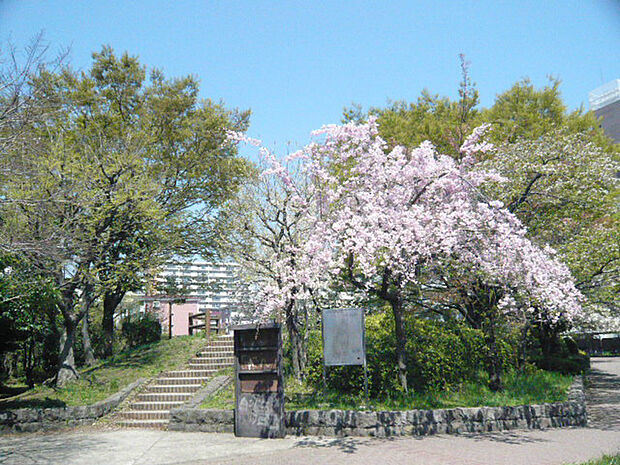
141	330
440	355
566	358
565	364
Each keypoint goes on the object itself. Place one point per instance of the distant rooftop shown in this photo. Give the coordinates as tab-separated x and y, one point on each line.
604	95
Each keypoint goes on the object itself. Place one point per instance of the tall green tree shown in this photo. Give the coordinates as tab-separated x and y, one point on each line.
127	171
527	112
564	188
446	123
560	171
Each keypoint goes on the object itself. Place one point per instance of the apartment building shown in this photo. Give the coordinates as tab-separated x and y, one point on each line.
192	287
605	102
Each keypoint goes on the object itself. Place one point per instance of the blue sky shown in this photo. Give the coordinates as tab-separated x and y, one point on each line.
296	64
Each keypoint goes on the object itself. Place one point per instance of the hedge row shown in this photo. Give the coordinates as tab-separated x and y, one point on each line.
440	355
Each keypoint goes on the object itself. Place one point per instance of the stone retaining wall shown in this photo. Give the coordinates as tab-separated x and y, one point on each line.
208	421
46	419
400	423
190	417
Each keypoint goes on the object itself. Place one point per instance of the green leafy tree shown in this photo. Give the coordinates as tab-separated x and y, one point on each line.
527	112
444	122
564	188
28	319
126	172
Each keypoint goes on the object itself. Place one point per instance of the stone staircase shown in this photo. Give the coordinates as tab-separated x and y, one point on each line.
151	407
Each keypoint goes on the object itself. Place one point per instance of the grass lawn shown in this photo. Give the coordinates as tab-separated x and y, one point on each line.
102	380
534	387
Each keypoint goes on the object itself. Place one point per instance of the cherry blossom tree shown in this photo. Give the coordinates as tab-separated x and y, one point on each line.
262	227
388	221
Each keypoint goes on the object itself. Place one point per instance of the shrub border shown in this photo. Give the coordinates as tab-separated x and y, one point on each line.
403	423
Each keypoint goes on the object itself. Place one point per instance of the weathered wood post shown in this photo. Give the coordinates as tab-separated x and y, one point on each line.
259	384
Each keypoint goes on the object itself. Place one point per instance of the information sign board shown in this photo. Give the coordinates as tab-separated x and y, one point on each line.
343	336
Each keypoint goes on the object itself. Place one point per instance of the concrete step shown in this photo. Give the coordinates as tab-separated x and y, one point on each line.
181	380
169	388
213	367
212	360
155	405
161	424
146	415
164	396
213	356
151	408
195	373
208	358
215	353
222	343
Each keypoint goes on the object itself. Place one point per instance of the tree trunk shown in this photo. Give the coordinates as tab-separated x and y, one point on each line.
548	339
494	364
29	347
295	340
111	300
66	361
89	354
401	353
523	345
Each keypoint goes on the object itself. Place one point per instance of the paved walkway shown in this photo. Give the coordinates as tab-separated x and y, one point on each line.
603	394
142	447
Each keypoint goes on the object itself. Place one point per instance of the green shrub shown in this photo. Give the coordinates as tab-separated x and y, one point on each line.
440	355
571	345
346	379
567	364
141	330
565	359
604	460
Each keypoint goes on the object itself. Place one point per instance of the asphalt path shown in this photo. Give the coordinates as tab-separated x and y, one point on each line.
142	447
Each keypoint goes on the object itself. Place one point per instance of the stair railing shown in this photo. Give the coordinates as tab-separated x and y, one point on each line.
206	321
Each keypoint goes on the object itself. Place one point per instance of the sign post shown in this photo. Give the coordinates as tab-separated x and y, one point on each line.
259	386
344	336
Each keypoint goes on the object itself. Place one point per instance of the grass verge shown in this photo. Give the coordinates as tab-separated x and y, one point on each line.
108	377
605	460
532	387
225	397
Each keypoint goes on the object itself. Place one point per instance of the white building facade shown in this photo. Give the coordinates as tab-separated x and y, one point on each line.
192	287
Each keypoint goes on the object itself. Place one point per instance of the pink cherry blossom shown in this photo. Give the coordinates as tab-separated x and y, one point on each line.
409	210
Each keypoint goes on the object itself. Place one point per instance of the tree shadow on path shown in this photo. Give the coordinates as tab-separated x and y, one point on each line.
348	445
603	394
507	437
44	449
